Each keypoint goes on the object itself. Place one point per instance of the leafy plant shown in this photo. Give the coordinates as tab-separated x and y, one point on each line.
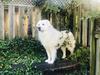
38	3
17	56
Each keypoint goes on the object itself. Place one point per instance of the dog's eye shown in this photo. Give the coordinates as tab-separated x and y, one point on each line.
43	24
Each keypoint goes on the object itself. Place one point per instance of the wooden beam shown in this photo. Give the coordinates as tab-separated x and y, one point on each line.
1	21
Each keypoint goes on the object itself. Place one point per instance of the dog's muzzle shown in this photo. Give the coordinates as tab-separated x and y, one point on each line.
39	28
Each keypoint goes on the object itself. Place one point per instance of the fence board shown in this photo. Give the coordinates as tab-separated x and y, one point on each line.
92	49
84	39
1	22
11	15
30	22
17	15
21	19
98	57
36	16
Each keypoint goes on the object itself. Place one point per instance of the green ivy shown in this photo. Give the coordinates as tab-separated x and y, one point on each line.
28	50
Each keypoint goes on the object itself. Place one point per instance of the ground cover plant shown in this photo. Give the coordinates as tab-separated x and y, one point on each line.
26	51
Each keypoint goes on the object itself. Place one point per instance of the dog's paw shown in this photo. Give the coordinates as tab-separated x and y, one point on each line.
47	60
50	62
63	57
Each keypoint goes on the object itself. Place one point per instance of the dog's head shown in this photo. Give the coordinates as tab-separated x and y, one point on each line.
43	25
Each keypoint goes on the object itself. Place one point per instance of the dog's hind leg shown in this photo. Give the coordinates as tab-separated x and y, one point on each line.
71	48
63	51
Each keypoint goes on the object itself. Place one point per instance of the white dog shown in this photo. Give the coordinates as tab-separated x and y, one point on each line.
53	39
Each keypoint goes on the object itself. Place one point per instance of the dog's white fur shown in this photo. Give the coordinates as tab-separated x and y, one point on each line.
53	39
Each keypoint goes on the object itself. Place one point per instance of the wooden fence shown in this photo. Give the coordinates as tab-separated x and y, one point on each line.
20	21
16	20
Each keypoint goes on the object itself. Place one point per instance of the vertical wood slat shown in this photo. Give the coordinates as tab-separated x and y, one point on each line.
92	49
33	22
57	19
11	15
84	39
76	23
25	24
79	24
98	57
17	15
21	19
88	32
79	27
36	16
1	21
6	22
30	22
51	18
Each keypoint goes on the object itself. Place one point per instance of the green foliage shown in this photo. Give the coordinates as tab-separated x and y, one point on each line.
26	44
80	55
38	3
20	51
52	8
26	51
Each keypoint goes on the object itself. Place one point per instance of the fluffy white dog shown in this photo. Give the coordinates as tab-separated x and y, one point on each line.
53	39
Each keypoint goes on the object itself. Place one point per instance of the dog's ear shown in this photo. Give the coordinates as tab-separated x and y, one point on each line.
48	22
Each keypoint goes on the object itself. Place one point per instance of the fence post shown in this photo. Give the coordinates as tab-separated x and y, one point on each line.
1	21
92	49
11	15
97	44
98	56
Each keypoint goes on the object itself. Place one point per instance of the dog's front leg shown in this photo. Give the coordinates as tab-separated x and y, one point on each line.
53	55
48	55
